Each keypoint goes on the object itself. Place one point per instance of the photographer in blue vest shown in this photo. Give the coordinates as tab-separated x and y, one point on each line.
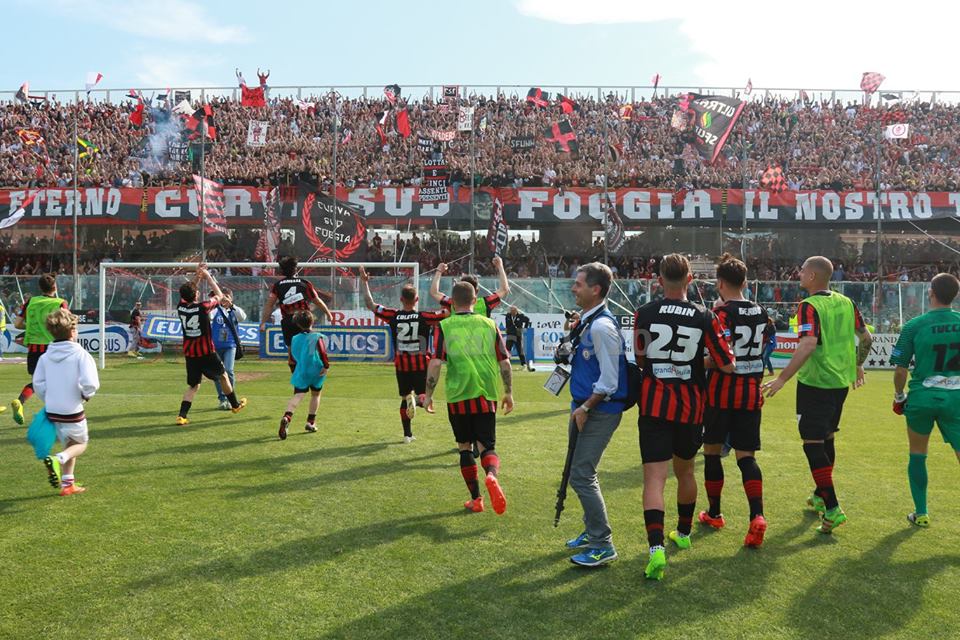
225	338
598	386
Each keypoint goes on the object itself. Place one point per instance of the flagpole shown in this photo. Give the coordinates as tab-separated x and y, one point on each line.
878	210
76	163
606	190
743	183
473	177
201	204
336	144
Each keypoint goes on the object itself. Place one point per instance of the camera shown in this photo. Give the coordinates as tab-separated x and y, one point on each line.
564	352
568	314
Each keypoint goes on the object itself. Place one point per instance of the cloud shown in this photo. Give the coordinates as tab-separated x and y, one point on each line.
175	70
178	20
813	45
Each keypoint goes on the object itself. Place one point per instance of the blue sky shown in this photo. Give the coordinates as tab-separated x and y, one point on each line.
526	42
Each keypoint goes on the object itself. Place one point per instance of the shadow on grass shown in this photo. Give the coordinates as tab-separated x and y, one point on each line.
7	506
164	425
871	595
310	550
351	474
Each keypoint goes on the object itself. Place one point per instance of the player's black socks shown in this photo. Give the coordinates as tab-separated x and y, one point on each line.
685	517
311	418
468	469
653	519
752	484
829	447
405	419
288	415
26	393
185	408
713	482
822	472
232	397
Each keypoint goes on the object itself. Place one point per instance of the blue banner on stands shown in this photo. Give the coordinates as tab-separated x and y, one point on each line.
344	344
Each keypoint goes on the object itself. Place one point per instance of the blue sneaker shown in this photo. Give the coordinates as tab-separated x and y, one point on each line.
580	542
594	557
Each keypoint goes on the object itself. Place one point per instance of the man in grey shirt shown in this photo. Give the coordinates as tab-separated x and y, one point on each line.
598	386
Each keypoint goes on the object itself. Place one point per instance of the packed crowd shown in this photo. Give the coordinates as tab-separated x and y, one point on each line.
827	145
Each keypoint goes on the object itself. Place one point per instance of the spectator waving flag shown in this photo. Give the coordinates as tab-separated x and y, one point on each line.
392	92
655	81
538	97
23	95
210	195
773	179
715	117
270	235
614	234
871	81
87	148
747	90
201	123
567	105
136	116
563	137
93	78
403	123
497	235
898	131
17	215
30	137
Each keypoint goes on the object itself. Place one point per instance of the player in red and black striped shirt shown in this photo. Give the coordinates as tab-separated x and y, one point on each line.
485	304
198	350
293	294
670	336
734	400
410	333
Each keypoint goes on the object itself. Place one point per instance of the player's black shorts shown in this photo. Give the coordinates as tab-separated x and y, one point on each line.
305	389
415	381
34	356
742	425
660	440
476	427
819	410
209	365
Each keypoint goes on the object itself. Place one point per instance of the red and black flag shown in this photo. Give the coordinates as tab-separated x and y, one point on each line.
714	118
773	179
252	97
871	81
568	105
616	151
392	92
614	234
381	123
403	123
266	250
136	116
210	198
497	234
563	137
538	97
202	117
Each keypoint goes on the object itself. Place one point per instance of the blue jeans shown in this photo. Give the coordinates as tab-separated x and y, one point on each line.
767	352
227	356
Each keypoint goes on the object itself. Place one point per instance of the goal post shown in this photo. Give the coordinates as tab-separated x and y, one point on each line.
176	273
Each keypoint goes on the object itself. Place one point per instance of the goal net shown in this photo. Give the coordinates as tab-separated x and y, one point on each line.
156	286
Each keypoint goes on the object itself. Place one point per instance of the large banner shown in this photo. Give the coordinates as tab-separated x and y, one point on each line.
879	358
243	206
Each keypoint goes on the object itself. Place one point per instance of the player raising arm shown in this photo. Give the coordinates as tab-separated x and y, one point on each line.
294	294
485	304
410	332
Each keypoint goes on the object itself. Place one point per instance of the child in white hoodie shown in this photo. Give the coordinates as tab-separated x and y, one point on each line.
65	378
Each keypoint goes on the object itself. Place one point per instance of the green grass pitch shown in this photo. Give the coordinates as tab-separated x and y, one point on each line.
220	530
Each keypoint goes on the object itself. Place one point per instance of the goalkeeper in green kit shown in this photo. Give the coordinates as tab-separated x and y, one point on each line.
932	341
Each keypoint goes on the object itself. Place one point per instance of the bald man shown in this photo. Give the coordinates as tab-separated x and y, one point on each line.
828	361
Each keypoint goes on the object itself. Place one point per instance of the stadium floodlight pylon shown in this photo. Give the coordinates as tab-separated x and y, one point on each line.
190	267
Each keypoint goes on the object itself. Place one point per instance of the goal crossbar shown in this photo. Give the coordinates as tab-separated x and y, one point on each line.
107	266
